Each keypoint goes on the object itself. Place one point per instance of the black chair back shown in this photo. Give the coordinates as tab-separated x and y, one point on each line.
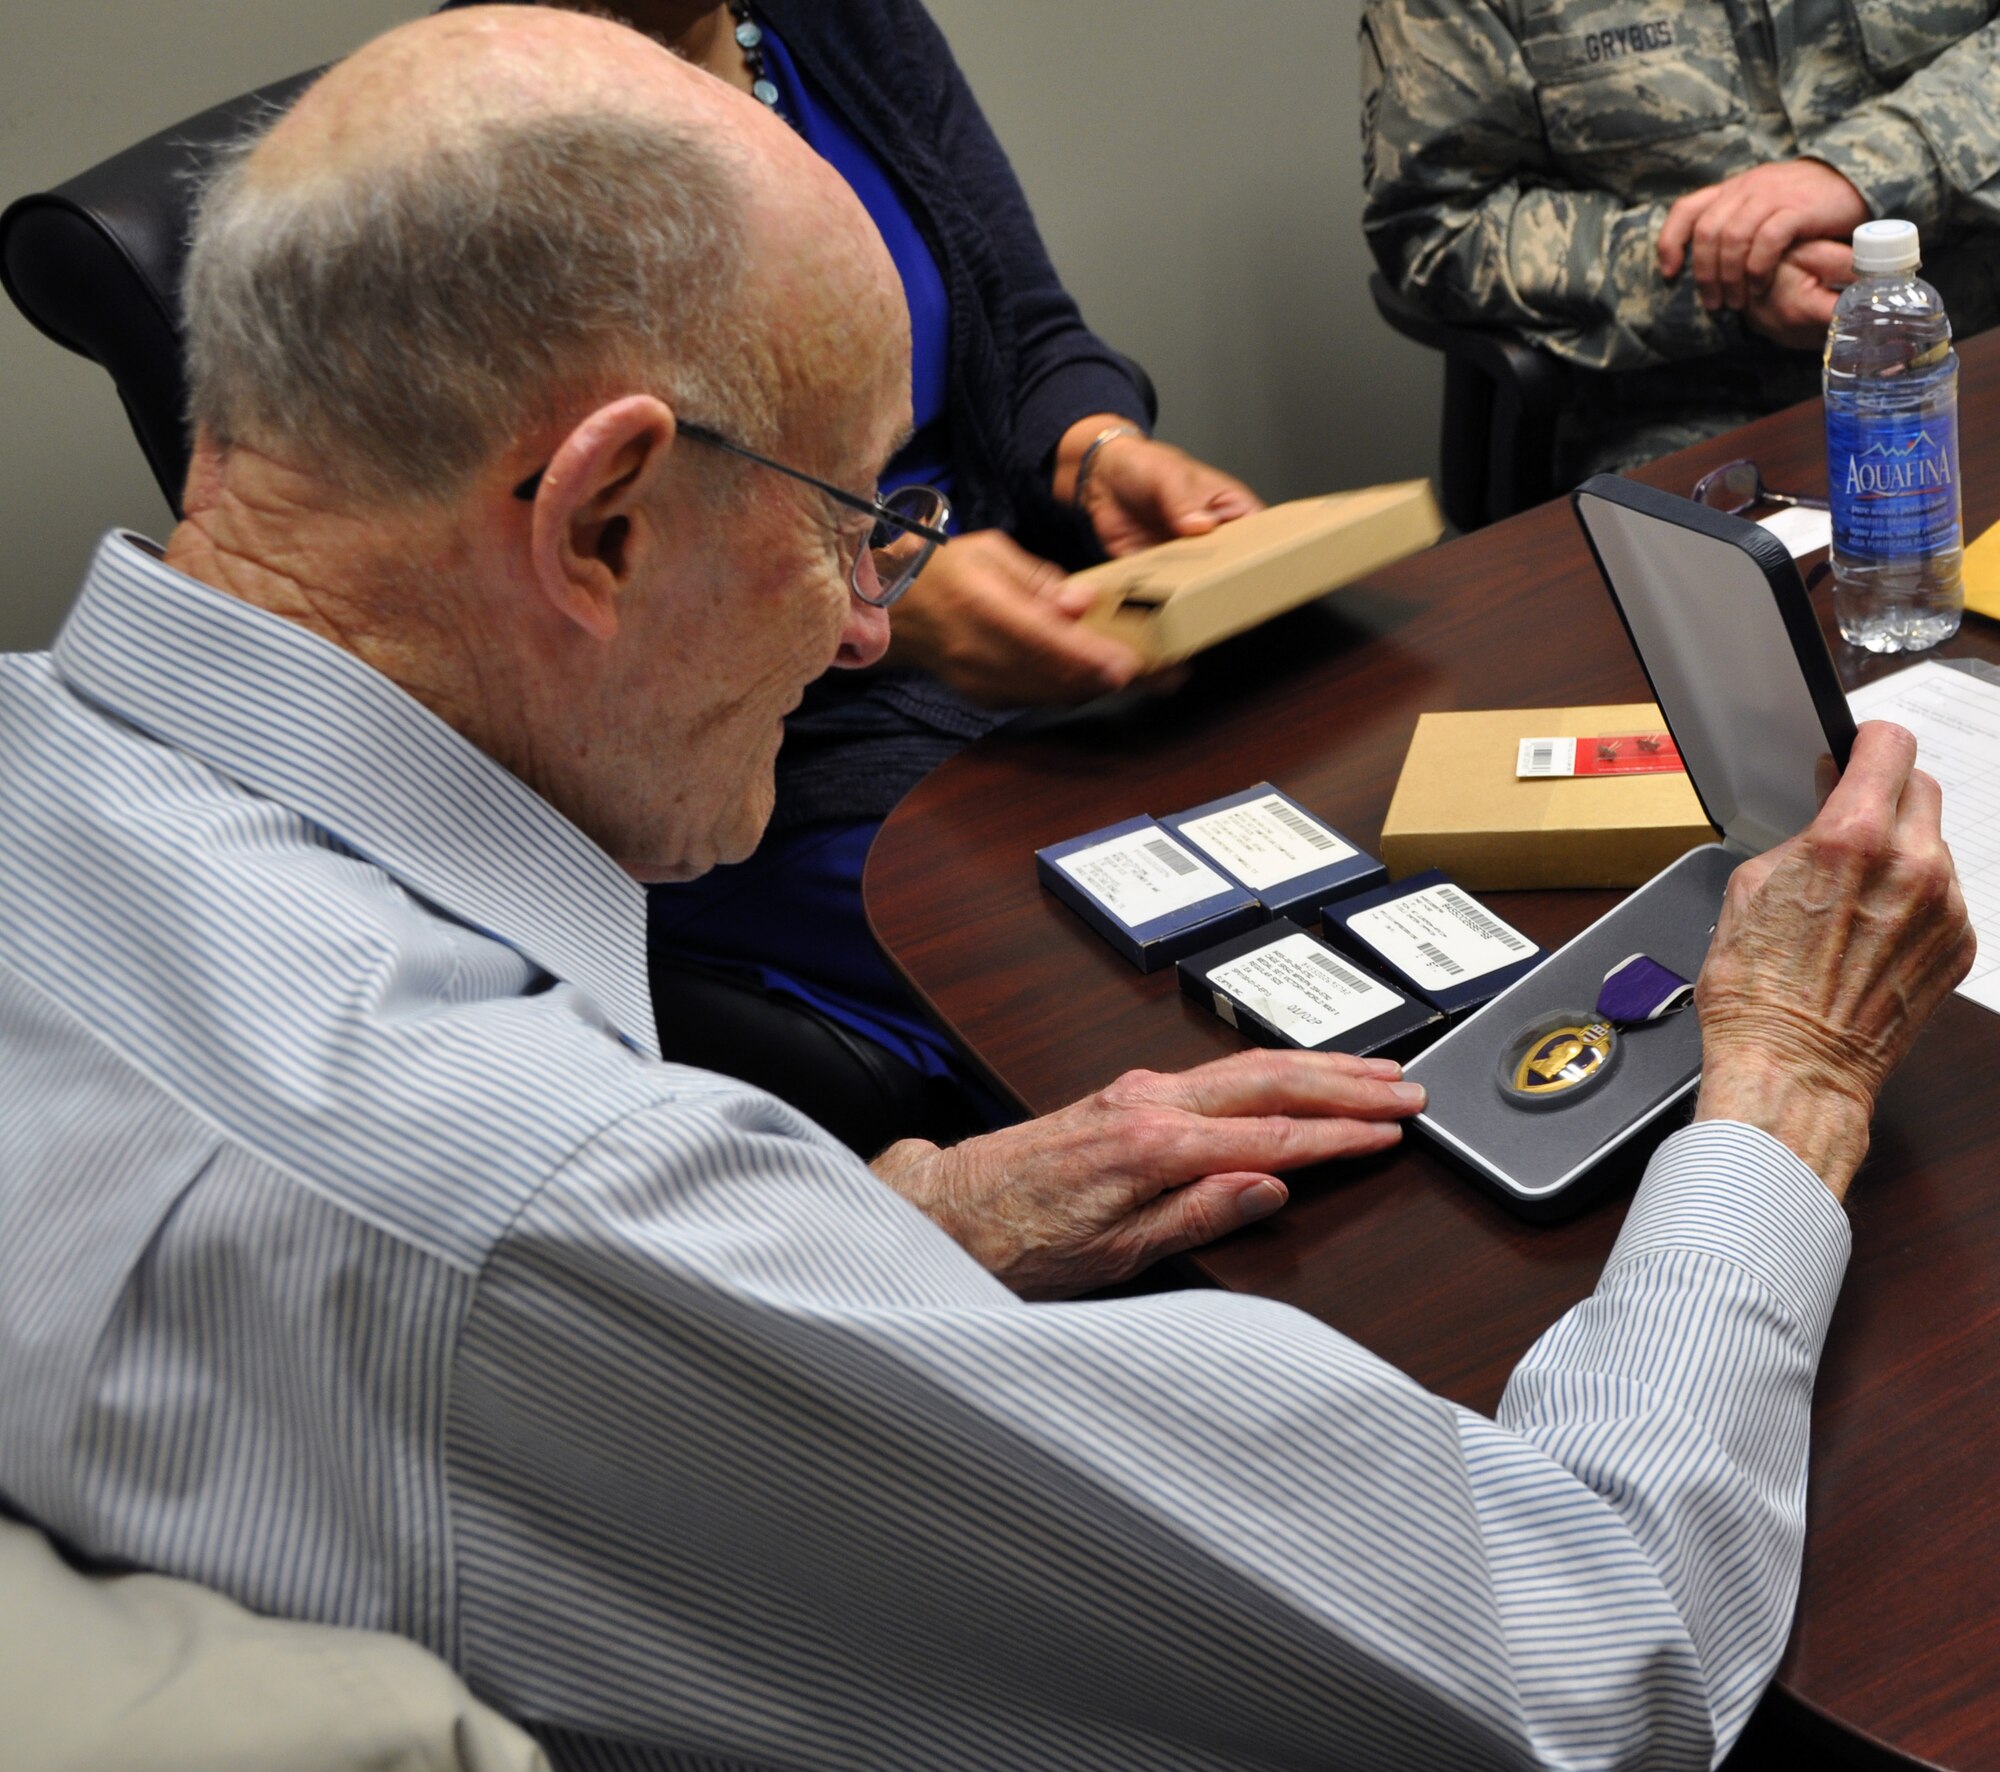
1502	400
96	265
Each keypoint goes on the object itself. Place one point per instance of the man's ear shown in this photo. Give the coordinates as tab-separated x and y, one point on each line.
589	524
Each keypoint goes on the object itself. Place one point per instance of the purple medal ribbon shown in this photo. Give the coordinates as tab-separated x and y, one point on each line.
1639	989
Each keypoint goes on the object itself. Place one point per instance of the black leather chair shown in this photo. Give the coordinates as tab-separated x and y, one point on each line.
96	265
1502	399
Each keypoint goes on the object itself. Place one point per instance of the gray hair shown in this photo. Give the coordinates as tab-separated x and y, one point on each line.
392	328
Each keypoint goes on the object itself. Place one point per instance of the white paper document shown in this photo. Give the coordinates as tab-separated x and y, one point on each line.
1802	531
1956	719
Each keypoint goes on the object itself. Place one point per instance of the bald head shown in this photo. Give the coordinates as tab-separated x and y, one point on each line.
437	81
484	222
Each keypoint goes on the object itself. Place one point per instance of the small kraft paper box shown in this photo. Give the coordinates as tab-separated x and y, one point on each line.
1148	895
1267	842
1461	807
1174	600
1279	986
1435	940
1535	1092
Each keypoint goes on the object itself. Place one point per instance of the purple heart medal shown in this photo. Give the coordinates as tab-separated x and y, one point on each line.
1569	1054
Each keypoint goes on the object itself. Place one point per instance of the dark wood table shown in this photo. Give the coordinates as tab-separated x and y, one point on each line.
1895	1656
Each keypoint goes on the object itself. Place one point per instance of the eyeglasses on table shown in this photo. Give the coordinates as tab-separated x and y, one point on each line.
1738	486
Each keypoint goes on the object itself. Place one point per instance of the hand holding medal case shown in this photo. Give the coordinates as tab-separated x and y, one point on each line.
1558	1073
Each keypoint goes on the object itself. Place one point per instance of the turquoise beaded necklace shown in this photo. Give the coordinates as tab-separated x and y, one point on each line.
750	39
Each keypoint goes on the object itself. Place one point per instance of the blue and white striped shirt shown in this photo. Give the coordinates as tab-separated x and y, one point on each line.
358	1258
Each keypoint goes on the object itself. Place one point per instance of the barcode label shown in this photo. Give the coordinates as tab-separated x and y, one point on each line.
1439	958
1142	875
1297	821
1333	969
1482	922
1440	936
1266	841
1300	989
1544	757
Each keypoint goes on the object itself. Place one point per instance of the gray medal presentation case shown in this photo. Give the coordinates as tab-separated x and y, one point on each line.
1726	634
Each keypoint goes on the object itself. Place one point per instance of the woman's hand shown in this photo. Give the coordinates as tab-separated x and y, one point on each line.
1003	628
1140	491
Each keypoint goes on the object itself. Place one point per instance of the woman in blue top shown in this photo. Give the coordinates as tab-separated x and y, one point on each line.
1014	398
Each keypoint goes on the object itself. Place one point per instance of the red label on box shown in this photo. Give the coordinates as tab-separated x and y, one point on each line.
1623	753
1631	753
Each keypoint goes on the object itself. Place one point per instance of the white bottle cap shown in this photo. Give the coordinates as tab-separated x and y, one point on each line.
1885	246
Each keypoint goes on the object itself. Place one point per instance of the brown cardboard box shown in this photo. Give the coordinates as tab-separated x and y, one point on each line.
1174	600
1459	807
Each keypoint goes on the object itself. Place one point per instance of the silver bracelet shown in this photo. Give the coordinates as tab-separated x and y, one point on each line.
1090	456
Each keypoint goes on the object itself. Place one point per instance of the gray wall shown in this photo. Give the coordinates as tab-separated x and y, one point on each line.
1194	168
80	79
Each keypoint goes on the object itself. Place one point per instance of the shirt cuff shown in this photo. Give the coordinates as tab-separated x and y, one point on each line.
1728	1190
1584	269
1889	160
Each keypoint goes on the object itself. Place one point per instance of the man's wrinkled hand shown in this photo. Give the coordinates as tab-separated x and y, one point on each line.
1797	308
1149	1166
1733	235
1831	953
1004	628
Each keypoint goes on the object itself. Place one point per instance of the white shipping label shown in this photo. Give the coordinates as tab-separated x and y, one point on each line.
1545	756
1266	842
1441	936
1142	876
1304	991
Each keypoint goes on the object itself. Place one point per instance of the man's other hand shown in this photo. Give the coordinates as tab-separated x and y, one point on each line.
1141	491
1797	308
1148	1166
1003	628
1733	235
1831	952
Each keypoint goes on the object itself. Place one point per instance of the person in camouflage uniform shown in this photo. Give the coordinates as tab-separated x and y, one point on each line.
1661	192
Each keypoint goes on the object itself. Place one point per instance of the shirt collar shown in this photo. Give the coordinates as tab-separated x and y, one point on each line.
296	719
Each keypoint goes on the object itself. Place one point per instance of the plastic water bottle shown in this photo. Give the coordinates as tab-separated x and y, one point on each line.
1892	450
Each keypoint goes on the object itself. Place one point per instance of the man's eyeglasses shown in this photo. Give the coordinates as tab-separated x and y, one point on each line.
909	524
1737	486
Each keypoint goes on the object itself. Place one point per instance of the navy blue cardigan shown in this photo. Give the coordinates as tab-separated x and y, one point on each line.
1023	369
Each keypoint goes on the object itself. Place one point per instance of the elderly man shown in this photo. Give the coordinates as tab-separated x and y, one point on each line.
1663	196
356	1259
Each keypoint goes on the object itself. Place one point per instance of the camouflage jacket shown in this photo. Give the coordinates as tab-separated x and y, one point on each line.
1521	155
